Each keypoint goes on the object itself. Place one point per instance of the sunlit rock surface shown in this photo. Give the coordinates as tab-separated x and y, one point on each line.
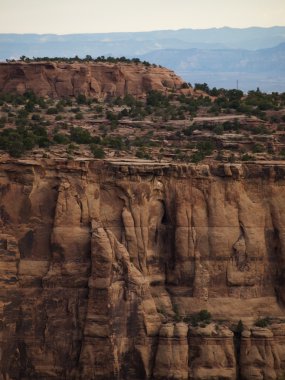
94	80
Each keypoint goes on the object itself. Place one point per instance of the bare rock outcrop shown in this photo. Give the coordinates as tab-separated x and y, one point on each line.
171	361
212	353
94	80
103	265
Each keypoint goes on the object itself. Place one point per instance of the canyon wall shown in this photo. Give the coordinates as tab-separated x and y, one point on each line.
104	263
94	80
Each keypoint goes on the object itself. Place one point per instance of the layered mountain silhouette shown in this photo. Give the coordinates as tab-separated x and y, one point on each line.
255	57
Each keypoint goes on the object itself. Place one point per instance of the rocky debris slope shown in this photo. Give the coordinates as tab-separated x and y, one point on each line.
94	80
104	264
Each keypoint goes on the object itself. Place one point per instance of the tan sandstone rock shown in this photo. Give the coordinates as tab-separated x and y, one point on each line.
103	265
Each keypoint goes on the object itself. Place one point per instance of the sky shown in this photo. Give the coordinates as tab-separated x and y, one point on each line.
99	16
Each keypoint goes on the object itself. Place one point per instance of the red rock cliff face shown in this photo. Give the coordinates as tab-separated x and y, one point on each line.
98	80
100	262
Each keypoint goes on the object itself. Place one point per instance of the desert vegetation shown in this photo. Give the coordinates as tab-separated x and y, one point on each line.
86	59
207	124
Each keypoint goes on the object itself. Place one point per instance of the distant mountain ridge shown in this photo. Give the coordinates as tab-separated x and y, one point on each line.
139	42
264	68
220	56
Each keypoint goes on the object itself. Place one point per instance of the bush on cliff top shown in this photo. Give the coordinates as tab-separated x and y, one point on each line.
262	322
202	318
87	58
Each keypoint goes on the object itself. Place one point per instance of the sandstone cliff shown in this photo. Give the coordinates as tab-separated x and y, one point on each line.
100	80
103	263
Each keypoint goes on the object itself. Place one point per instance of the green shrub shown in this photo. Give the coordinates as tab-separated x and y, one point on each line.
156	99
16	148
129	100
206	147
30	106
103	128
142	153
111	116
59	138
16	142
52	111
197	157
81	99
202	87
75	110
22	114
80	135
262	322
218	130
97	151
21	122
258	148
246	157
79	116
36	117
204	315
188	131
202	318
114	142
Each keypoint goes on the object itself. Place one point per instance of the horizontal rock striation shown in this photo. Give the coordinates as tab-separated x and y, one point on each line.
102	265
94	80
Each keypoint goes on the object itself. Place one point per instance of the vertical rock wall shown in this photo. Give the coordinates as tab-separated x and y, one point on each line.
103	265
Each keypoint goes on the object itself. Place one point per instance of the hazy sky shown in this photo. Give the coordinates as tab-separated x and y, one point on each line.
95	16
